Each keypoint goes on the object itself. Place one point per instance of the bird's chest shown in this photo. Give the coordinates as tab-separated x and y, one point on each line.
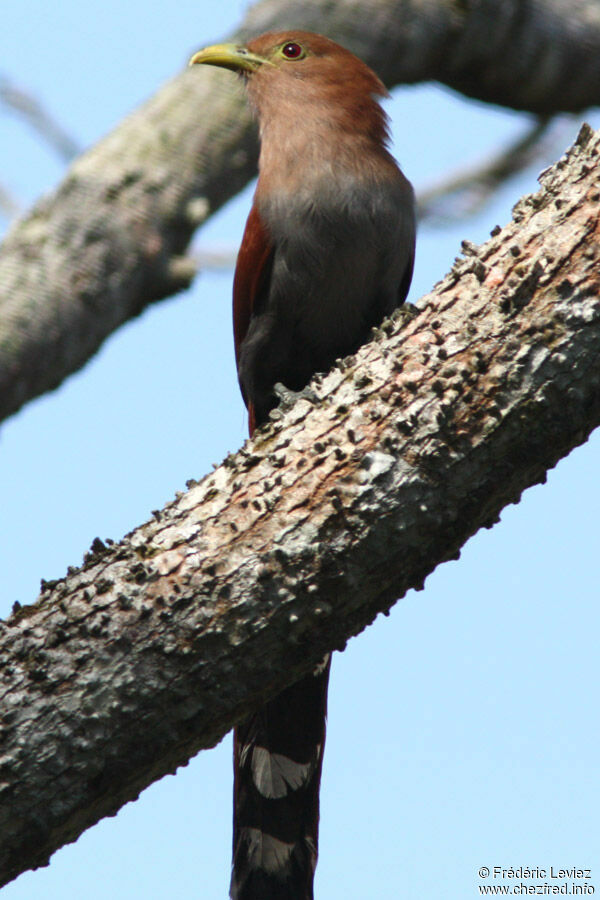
327	249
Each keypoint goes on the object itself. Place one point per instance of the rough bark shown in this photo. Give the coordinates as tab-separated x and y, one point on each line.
158	644
111	239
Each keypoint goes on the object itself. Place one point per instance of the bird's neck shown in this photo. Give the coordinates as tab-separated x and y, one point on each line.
311	138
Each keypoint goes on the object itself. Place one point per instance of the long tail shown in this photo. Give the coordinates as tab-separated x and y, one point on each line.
278	756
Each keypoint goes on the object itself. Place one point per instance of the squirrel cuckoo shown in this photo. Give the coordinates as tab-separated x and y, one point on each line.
327	253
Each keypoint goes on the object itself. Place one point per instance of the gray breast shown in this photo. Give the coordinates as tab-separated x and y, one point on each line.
339	266
338	269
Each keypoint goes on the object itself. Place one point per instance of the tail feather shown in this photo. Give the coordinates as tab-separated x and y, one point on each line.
278	756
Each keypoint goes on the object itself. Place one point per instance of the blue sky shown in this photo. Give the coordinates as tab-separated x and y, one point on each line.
463	729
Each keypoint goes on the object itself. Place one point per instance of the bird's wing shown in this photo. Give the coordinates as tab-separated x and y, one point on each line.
251	282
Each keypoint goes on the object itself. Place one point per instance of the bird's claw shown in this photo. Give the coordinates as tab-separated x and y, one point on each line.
287	398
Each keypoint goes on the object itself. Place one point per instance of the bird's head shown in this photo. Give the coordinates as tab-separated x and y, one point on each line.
316	102
296	66
297	54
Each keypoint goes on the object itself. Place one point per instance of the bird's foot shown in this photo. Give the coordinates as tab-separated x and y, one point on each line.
287	398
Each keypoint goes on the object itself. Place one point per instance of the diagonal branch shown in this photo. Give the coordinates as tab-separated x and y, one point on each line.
113	236
158	644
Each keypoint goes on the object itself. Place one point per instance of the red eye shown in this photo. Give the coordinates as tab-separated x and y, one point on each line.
292	51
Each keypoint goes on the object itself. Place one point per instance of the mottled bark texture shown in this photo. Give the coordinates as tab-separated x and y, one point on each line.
111	239
158	644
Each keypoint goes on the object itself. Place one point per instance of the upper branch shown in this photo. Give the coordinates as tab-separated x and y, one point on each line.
542	56
111	238
158	644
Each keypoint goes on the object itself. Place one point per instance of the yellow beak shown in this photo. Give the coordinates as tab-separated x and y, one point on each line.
228	56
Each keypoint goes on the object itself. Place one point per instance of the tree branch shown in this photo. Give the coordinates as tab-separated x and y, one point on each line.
158	644
542	57
112	237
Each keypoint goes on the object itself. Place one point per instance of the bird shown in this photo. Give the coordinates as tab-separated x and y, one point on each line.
327	253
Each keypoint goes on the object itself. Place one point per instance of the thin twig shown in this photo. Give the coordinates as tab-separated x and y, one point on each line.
20	101
463	194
